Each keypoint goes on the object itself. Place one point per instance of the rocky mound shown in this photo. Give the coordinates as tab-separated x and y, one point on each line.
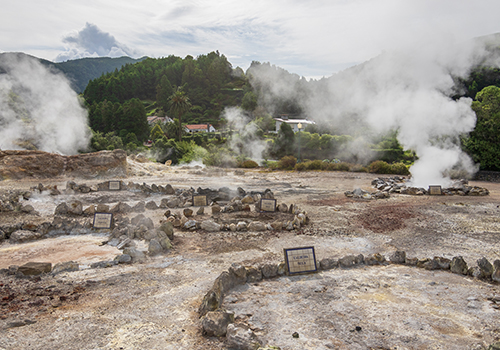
16	165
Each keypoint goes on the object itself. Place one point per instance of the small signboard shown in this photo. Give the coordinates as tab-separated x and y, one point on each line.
300	260
200	201
114	185
103	220
435	190
267	204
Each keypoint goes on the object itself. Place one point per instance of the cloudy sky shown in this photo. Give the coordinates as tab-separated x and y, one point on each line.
312	38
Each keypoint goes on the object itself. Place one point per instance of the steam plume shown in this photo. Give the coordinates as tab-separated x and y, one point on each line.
408	90
246	142
38	108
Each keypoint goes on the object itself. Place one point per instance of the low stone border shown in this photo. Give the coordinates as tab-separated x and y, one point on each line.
217	322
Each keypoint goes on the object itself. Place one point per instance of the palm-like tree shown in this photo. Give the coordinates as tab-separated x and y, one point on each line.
179	104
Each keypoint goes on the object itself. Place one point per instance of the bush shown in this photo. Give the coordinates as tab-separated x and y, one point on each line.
399	169
381	167
300	166
314	165
339	166
287	163
248	164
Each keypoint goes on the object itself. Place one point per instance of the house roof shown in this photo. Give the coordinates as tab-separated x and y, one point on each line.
198	126
295	121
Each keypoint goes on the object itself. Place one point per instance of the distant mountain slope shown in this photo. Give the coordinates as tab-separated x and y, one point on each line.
81	71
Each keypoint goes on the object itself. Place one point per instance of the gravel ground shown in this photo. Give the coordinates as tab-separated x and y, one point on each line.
154	305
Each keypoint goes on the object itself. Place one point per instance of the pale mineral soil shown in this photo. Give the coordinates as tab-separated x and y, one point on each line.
154	305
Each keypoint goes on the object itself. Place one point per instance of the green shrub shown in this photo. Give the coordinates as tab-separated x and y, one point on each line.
287	163
248	164
379	167
314	165
399	169
300	166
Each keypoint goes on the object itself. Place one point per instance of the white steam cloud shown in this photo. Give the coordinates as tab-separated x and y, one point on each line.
38	108
407	90
93	42
245	142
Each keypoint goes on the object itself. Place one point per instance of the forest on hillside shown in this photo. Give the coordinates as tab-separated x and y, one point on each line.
120	101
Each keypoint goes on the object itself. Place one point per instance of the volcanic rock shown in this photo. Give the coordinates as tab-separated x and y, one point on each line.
24	236
496	271
35	268
215	323
210	226
485	267
65	267
241	338
458	265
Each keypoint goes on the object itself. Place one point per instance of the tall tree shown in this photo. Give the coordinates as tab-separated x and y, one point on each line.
484	142
179	104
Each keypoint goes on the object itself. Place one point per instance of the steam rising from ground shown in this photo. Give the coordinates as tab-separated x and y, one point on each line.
245	142
407	90
38	108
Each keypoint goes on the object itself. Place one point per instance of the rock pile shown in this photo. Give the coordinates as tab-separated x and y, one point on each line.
38	164
358	193
399	185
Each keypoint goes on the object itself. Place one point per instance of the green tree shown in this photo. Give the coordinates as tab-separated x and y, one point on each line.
283	145
163	91
483	144
179	104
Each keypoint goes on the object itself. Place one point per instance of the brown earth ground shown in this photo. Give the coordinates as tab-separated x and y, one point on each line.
154	305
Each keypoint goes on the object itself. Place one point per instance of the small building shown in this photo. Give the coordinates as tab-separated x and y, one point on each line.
191	128
155	119
294	123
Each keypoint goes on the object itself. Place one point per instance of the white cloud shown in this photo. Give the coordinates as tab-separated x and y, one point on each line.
93	42
309	38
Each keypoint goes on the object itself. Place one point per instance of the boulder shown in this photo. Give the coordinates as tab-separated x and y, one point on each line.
269	270
165	243
254	274
190	225
215	209
210	226
247	200
458	266
241	226
151	205
215	323
241	338
140	207
154	247
398	257
169	189
35	268
102	208
24	236
66	266
496	271
485	267
328	264
374	259
123	259
135	254
188	212
238	273
256	226
168	228
61	209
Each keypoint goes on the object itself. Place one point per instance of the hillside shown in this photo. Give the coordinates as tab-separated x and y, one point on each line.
81	71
